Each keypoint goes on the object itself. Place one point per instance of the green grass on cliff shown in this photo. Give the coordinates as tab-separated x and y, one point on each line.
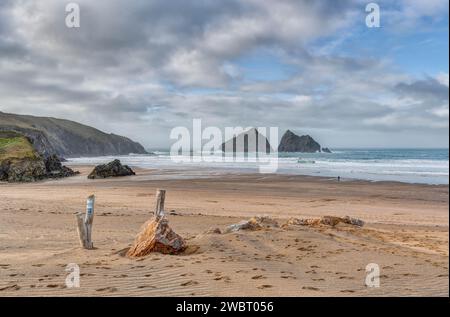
15	146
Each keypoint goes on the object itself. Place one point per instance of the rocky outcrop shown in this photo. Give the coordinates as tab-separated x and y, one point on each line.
55	169
31	170
290	142
248	141
156	236
20	162
326	150
111	169
67	138
22	170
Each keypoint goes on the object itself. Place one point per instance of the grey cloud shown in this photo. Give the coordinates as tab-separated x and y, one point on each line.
132	66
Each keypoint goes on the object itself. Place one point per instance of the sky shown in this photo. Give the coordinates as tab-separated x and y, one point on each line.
140	68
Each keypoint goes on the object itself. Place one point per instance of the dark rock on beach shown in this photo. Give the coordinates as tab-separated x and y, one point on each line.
22	170
55	169
111	169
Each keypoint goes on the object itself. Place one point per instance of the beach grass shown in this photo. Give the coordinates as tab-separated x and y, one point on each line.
15	146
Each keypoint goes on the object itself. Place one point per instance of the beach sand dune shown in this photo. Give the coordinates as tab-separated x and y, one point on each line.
406	234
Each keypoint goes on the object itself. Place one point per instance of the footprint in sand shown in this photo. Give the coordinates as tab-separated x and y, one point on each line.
310	288
120	276
87	274
189	283
258	277
138	267
107	289
55	286
14	287
265	286
146	286
187	274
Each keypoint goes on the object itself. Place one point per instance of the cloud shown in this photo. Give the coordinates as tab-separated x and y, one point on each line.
140	68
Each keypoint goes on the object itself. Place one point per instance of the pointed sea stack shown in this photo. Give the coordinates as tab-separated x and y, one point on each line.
248	141
290	142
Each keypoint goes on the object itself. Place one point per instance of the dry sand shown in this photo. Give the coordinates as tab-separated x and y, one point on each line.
406	235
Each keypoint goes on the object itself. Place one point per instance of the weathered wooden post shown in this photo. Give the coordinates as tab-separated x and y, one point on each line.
160	198
84	222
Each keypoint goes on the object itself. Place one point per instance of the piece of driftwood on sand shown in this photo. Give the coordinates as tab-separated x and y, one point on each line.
156	235
84	224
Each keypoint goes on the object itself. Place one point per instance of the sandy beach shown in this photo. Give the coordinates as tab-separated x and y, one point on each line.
406	234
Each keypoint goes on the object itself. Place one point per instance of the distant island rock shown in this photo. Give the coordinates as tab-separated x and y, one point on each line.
111	169
326	150
246	141
64	138
290	142
20	162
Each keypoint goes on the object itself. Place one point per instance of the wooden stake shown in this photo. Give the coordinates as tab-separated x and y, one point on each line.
84	224
160	198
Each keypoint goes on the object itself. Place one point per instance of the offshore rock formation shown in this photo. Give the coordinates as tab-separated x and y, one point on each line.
248	141
290	142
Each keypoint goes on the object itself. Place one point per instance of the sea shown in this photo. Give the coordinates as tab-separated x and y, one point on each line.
425	166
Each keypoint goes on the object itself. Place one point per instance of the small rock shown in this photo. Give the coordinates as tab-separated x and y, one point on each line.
255	223
330	220
353	221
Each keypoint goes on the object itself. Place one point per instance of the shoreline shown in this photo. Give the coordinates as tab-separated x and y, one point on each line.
242	172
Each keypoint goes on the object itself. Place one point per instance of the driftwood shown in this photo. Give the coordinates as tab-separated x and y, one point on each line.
160	199
84	224
156	234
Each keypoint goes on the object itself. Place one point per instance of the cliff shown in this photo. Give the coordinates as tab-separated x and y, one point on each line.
67	138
